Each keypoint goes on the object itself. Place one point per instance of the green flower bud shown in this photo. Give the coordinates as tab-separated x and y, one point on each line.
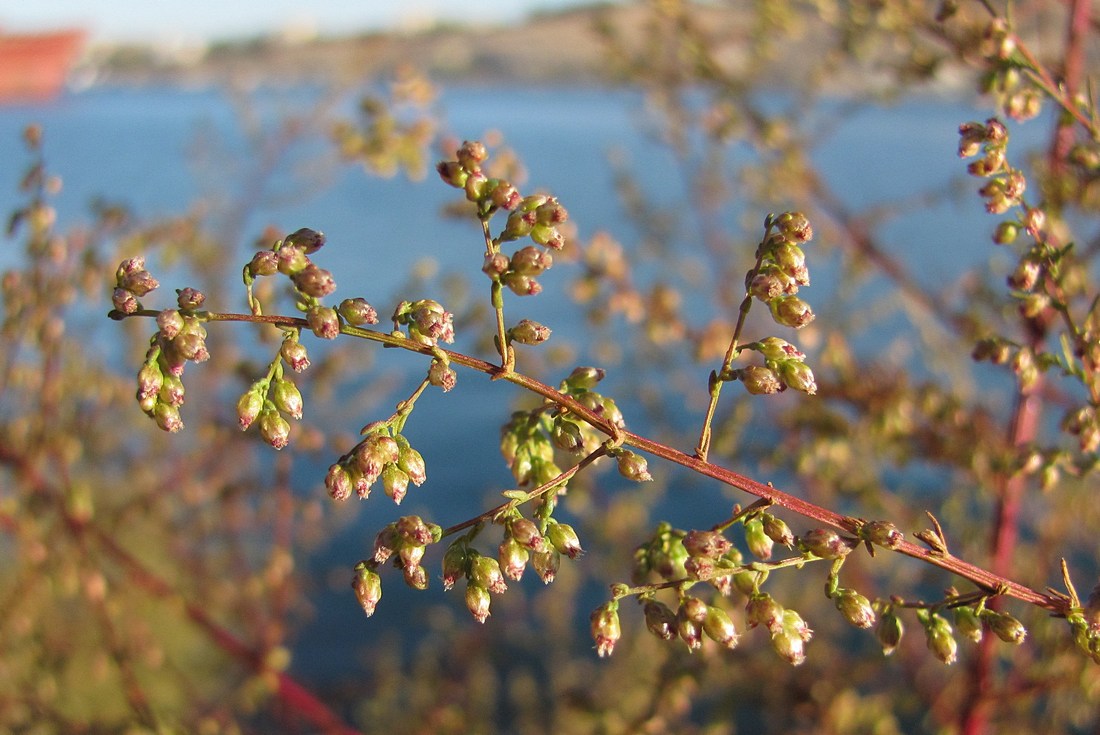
475	186
1006	627
520	284
171	391
454	563
485	572
889	632
528	332
190	346
513	558
584	378
719	627
357	312
386	543
564	539
368	587
855	608
762	609
939	637
794	226
274	428
825	543
567	435
249	406
395	482
505	196
605	627
410	556
495	265
412	464
760	545
291	260
1006	233
777	530
167	417
776	349
286	397
416	577
882	533
150	380
634	467
531	261
790	647
968	624
759	380
442	375
797	375
471	155
452	173
793	623
477	602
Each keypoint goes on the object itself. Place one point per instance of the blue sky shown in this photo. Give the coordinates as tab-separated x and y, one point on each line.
196	20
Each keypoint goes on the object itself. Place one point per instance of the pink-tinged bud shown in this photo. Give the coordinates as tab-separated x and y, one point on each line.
476	185
759	380
191	347
496	265
412	464
521	285
171	391
825	543
274	428
762	609
150	379
471	155
882	533
287	398
564	539
547	236
605	627
189	298
454	564
505	196
531	261
485	572
248	407
529	332
708	544
292	260
310	241
395	483
798	375
889	632
546	564
776	349
634	467
720	628
477	602
413	530
386	543
855	608
526	533
416	577
790	647
264	263
295	355
794	226
314	281
358	312
519	225
767	285
139	282
410	556
1006	627
660	620
791	311
124	301
368	587
513	558
794	624
338	482
323	321
442	375
760	545
170	323
551	212
374	452
699	567
1026	274
452	173
168	417
789	257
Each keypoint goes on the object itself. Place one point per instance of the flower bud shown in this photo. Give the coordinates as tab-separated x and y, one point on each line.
171	391
546	563
477	602
167	417
287	398
338	482
452	173
798	375
190	346
825	543
416	577
310	241
940	640
762	609
139	282
968	624
485	572
124	301
564	539
395	482
531	261
291	260
495	265
584	378
547	236
708	544
759	380
471	155
249	406
794	226
634	467
760	545
1006	627
1006	233
526	533
528	332
295	355
412	464
791	311
719	627
605	627
274	428
189	298
513	558
150	379
777	530
368	587
855	608
882	533
170	323
889	632
357	312
790	647
690	631
475	186
264	263
505	196
660	620
323	321
454	564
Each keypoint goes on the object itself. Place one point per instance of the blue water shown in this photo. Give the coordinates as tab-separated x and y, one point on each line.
159	150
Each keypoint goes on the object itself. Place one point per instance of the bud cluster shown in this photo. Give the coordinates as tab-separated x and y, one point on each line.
405	541
524	542
664	555
784	366
826	543
378	455
132	281
527	449
427	321
694	619
269	401
789	632
482	573
1006	185
939	636
782	269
